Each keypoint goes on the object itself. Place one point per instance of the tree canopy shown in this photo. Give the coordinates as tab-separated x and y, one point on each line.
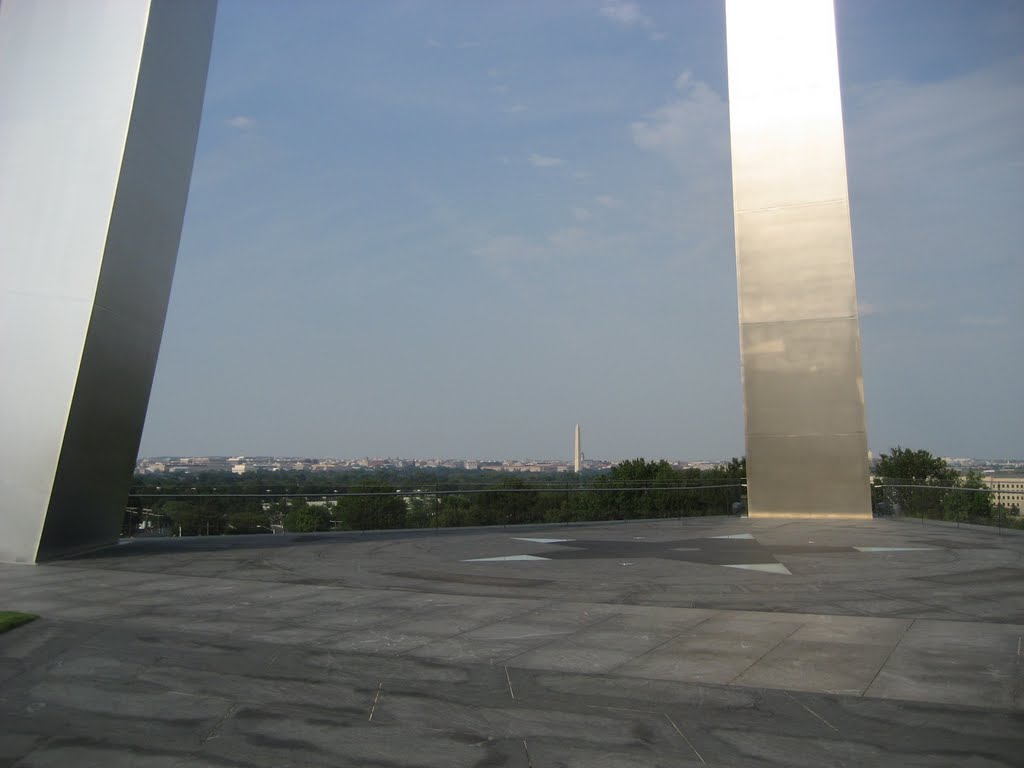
919	484
904	464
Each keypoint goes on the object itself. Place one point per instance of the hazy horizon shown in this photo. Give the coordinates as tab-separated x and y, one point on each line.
562	459
449	229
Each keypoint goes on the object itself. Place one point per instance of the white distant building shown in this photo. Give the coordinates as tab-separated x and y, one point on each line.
1007	491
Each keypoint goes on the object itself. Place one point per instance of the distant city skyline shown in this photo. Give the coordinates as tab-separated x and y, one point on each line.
959	462
426	230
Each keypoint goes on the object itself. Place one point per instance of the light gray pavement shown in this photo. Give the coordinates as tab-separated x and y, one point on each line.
626	644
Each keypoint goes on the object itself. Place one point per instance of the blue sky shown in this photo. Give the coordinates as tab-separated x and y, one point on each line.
456	229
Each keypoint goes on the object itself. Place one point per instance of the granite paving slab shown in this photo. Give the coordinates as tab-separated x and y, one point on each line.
643	647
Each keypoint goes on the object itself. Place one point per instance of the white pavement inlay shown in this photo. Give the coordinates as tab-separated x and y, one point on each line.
542	541
765	567
508	557
735	536
896	549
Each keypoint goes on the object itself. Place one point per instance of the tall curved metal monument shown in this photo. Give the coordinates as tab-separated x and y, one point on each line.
803	388
99	115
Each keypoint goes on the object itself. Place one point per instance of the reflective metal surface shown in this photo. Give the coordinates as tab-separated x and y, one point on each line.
101	105
799	333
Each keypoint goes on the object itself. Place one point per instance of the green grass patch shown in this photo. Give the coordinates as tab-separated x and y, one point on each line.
11	619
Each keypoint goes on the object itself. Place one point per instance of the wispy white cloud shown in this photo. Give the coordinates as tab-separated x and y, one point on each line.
432	43
684	81
690	130
544	161
607	201
934	202
688	127
509	254
471	44
580	213
515	108
971	119
570	237
625	13
241	122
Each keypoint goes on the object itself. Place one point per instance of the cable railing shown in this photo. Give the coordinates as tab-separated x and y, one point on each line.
197	511
994	506
200	512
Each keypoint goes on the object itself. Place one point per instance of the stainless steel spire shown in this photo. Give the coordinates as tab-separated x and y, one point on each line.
101	103
799	334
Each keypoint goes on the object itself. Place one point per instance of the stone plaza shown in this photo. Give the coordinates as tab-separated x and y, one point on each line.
701	641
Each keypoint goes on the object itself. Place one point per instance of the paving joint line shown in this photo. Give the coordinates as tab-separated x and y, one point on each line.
762	656
518	614
547	604
529	760
215	731
550	640
888	656
826	722
659	646
376	698
688	743
932	606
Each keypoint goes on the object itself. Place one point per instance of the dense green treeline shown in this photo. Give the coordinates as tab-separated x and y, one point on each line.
914	483
216	503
